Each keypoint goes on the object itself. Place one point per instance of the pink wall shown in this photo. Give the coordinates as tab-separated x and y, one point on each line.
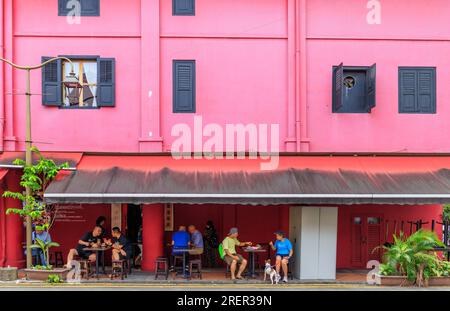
257	62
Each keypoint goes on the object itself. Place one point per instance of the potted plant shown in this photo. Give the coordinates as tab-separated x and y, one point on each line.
37	177
413	261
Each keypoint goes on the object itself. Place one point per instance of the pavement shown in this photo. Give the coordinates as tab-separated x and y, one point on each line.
204	287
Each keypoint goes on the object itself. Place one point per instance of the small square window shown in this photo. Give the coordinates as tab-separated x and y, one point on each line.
183	7
354	89
85	7
417	90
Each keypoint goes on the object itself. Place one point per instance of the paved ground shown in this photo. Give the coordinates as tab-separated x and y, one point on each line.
204	287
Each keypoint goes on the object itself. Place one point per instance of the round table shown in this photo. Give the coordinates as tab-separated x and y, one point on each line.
97	251
251	254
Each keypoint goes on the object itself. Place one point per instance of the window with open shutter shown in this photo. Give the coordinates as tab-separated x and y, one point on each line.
417	90
354	89
183	7
106	82
87	7
184	86
96	77
51	83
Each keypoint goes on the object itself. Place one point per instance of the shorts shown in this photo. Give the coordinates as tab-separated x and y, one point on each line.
84	254
282	256
125	257
229	259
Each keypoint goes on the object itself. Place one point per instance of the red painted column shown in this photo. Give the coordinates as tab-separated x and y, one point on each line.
152	235
14	228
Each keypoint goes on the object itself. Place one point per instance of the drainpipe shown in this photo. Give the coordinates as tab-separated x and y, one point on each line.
297	77
2	122
301	73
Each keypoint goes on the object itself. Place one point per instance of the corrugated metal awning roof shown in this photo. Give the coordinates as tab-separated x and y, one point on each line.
298	180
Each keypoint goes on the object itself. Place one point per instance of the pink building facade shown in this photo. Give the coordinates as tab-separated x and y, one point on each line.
271	62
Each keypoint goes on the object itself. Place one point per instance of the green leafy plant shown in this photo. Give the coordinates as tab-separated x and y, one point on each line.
37	177
414	257
44	246
54	279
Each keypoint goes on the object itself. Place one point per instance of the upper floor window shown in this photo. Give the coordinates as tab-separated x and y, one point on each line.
183	7
417	90
354	89
85	7
184	86
96	76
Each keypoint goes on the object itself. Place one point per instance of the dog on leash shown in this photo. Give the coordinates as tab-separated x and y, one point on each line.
270	272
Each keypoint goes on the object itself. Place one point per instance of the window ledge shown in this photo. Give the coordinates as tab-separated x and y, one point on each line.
78	108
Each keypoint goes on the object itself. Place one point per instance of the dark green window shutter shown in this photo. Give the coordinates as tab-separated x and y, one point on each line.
371	87
184	86
426	101
338	85
417	90
106	84
52	83
183	7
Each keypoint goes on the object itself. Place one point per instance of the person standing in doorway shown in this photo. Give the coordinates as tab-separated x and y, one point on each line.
211	244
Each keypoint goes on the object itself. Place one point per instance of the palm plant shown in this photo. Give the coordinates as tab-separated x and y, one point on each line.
413	257
44	247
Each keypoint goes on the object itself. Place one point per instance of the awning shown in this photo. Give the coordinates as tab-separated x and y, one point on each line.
141	179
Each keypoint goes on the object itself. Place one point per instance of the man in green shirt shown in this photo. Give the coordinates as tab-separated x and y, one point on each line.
232	258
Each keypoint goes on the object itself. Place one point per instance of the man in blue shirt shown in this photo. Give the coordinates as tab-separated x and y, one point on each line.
284	252
180	240
196	241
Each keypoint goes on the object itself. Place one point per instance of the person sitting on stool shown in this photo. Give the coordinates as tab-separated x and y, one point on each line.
284	252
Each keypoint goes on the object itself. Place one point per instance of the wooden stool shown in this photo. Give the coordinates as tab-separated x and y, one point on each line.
164	262
85	268
197	264
56	259
177	258
119	269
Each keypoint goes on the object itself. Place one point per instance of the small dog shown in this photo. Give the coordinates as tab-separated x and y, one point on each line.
271	272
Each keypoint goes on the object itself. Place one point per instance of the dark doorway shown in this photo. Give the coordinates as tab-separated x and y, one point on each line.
134	222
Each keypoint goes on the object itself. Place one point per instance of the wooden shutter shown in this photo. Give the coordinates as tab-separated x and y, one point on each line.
407	90
371	87
183	7
184	86
52	83
106	82
426	98
338	85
